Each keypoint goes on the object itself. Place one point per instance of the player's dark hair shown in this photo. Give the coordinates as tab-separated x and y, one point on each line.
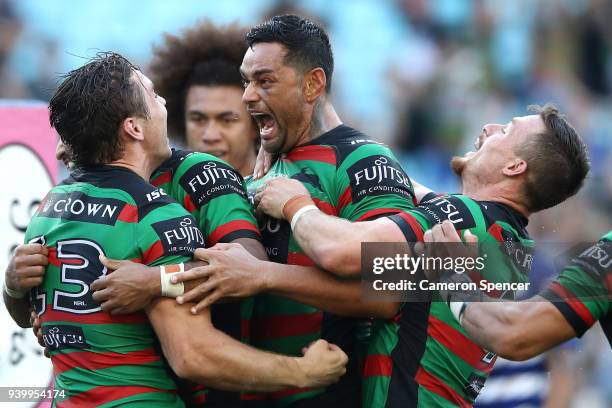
307	44
204	55
557	161
90	104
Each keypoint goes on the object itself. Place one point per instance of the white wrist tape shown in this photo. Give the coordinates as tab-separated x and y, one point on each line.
15	294
301	212
169	289
458	309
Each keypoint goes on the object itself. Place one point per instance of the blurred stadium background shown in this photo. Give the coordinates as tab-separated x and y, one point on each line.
420	75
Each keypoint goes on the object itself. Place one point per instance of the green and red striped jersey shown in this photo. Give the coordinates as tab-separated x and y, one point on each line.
583	290
423	357
99	359
215	195
348	176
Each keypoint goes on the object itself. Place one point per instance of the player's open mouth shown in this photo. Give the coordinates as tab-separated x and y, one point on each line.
266	123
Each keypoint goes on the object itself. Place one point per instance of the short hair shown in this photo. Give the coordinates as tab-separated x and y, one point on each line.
557	161
307	44
205	55
90	104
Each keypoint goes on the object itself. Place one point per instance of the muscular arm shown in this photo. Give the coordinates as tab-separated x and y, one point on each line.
335	243
234	273
19	309
319	289
199	352
516	330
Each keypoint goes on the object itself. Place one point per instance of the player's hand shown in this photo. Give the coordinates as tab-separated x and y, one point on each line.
443	241
262	163
323	364
232	272
130	288
37	329
271	196
26	269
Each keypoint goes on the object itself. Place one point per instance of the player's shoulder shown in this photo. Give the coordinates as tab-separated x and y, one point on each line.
352	146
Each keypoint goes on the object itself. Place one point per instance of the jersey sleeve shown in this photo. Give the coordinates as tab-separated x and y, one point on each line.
216	196
370	183
167	234
582	291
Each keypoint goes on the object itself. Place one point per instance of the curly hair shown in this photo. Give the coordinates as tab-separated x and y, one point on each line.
91	102
203	54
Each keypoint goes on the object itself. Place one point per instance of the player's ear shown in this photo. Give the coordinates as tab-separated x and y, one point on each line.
133	128
516	167
314	84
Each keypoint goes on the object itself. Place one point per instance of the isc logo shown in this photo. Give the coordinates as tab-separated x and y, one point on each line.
155	194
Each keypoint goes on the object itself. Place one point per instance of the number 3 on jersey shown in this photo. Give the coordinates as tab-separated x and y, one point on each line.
80	266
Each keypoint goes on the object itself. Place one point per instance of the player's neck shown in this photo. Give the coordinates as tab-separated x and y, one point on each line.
138	162
324	118
499	194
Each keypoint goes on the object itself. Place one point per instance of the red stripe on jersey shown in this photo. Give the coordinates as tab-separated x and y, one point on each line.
129	213
574	303
200	398
154	252
458	344
228	228
324	206
318	153
435	385
344	199
297	258
378	365
92	318
496	231
378	211
274	327
163	178
53	260
414	224
103	394
188	204
89	360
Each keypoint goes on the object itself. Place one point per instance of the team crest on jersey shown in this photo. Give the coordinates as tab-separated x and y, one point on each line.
179	236
378	175
77	206
207	180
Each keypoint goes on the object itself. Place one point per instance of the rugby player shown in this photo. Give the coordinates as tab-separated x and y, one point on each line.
422	355
116	131
198	74
567	308
287	72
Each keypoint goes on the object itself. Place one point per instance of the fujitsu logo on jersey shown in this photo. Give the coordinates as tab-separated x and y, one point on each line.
446	207
381	169
78	206
205	181
378	175
186	233
209	174
179	235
